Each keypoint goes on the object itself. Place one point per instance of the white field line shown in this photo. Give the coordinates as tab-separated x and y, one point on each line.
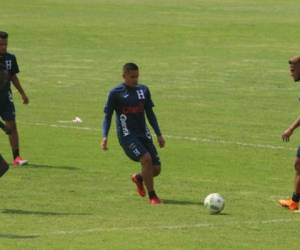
174	137
169	227
65	121
218	141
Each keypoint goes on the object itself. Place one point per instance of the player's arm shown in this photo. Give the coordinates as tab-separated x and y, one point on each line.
16	82
108	112
154	124
153	120
289	131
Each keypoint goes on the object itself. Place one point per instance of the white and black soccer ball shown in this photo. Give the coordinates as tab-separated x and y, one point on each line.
215	203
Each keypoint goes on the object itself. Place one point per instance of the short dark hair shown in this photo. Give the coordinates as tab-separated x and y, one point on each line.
130	67
3	35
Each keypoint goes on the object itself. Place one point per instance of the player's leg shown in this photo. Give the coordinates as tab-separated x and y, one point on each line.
155	168
14	142
156	164
134	150
9	116
296	194
147	171
292	203
148	176
3	166
14	137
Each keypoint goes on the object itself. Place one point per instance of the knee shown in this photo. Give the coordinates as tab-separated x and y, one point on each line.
157	170
146	160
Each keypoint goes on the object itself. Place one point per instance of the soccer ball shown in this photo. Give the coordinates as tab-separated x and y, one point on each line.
214	203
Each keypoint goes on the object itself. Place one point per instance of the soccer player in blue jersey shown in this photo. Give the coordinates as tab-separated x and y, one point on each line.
131	101
292	203
7	108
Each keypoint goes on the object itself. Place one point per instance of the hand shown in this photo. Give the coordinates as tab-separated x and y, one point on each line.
286	134
104	144
161	141
25	99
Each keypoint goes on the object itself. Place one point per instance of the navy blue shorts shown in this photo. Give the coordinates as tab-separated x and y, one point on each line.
7	108
135	147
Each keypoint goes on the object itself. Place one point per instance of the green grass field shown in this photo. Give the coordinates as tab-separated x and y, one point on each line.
219	78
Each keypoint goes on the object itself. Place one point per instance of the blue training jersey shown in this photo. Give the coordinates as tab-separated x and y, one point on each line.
130	105
11	65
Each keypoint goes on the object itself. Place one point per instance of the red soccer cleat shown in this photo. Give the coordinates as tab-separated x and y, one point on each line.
139	184
155	201
19	161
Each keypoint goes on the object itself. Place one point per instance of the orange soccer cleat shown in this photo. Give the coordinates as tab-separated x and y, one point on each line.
289	203
139	184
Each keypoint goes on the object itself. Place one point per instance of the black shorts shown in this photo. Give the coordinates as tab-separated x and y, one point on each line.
7	108
135	147
298	152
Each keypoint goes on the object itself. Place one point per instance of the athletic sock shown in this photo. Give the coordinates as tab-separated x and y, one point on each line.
152	194
296	197
16	153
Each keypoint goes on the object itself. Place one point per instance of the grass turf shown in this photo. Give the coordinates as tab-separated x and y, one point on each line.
219	78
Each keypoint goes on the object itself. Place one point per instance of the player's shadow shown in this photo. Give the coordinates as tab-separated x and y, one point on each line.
182	202
34	165
17	236
40	213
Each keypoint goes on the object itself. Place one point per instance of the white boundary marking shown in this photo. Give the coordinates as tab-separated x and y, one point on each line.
168	227
218	141
175	137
